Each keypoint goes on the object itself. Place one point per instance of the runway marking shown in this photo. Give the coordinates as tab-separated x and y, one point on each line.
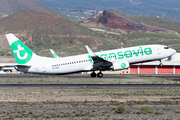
92	85
86	108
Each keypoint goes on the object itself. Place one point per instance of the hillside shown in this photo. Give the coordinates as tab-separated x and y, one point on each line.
130	27
162	8
43	30
11	6
154	21
113	20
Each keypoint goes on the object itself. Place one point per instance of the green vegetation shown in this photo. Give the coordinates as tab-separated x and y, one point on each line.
5	52
154	21
142	38
147	110
44	31
120	109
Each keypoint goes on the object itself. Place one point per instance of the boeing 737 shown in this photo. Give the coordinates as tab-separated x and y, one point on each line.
117	59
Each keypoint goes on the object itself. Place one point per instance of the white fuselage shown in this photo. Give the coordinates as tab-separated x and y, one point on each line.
78	63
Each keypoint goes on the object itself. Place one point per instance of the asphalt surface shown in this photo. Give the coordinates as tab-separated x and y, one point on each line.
86	108
93	85
170	77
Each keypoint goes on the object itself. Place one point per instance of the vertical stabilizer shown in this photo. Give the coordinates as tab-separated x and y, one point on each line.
21	52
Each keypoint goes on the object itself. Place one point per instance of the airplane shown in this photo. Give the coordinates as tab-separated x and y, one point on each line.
54	54
116	59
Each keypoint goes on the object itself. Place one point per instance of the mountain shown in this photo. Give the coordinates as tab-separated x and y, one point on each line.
11	6
162	8
43	30
113	20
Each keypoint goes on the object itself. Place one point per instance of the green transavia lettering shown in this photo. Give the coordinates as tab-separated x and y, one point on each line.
125	54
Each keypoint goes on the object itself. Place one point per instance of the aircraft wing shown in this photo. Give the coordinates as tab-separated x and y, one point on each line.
99	63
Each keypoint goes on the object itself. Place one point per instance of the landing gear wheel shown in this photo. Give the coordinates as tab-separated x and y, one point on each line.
93	74
160	64
100	75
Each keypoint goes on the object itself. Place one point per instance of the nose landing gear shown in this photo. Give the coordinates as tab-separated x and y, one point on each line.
100	74
160	64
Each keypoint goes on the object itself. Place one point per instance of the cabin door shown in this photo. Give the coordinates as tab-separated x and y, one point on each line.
158	51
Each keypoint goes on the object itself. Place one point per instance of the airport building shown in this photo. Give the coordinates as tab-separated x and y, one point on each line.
171	67
7	68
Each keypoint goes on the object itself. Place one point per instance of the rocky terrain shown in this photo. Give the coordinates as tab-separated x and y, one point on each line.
46	30
113	20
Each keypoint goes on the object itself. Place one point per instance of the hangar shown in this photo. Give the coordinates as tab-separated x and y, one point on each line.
171	67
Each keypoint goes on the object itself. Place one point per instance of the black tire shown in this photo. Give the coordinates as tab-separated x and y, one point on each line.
100	75
93	74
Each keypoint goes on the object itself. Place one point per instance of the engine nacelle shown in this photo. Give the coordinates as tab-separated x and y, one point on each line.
120	65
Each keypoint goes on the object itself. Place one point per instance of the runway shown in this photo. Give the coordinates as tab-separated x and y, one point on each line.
173	77
88	84
87	108
91	85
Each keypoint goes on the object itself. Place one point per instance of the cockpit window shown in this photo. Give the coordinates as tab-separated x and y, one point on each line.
166	47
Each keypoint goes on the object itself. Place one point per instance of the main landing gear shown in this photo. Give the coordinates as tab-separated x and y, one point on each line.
93	74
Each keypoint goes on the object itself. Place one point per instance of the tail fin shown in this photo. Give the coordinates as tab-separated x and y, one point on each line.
21	52
54	54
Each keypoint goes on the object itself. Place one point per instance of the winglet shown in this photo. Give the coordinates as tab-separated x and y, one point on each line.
54	54
90	51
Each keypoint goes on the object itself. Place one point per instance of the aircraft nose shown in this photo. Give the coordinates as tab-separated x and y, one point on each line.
173	51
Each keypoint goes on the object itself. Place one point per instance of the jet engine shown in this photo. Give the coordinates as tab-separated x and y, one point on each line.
120	65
